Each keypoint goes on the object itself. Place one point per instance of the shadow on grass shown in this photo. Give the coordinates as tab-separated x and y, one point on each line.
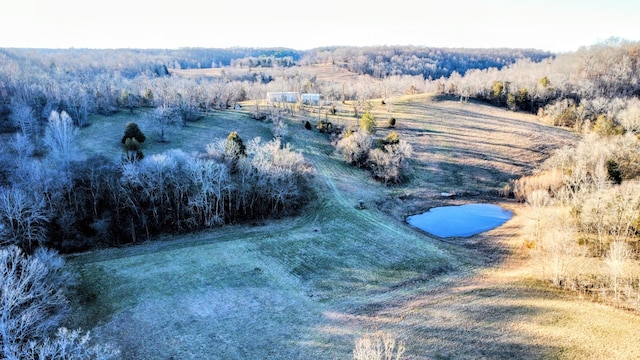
467	179
473	323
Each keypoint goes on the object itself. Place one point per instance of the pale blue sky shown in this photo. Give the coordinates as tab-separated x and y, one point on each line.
555	25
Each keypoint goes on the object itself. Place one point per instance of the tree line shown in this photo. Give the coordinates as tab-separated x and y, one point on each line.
583	223
59	201
570	89
82	82
430	63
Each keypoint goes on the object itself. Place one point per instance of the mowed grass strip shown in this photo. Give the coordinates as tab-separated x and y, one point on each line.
264	295
257	292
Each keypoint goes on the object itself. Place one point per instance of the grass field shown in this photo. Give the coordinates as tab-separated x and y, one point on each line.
307	287
104	133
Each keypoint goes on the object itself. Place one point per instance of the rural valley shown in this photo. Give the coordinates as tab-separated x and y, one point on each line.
175	204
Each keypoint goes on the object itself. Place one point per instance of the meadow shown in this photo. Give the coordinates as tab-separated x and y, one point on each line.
306	287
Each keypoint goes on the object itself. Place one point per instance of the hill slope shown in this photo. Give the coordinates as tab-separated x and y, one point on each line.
306	287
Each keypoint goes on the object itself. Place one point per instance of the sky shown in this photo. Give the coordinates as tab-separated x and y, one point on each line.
552	25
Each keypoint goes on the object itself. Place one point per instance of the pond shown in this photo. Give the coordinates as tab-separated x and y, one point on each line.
462	220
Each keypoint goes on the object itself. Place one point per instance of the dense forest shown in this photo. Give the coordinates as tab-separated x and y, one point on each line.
430	63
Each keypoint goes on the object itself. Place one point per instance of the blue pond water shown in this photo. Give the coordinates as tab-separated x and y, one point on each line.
463	220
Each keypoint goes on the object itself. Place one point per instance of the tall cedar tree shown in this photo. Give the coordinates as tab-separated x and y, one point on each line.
368	122
133	131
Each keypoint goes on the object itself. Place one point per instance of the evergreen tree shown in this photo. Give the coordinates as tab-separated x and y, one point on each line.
392	138
607	126
613	172
234	146
147	98
368	122
511	101
133	131
133	150
132	142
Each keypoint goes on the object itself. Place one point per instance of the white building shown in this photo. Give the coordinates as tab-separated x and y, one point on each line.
310	98
292	97
283	96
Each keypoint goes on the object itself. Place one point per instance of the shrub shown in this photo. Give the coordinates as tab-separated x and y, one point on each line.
133	150
379	346
606	126
325	126
392	138
355	146
548	180
307	125
72	343
392	122
562	113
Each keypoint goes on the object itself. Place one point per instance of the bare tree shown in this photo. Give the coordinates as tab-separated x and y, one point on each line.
538	200
388	162
23	219
70	344
77	102
60	136
279	168
630	117
615	260
389	87
211	180
558	250
355	146
23	117
186	107
23	148
33	298
278	124
163	119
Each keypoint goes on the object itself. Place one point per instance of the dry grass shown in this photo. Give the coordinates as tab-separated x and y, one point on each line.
475	147
307	287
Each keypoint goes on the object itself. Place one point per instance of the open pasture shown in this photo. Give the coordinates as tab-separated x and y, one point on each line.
306	287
